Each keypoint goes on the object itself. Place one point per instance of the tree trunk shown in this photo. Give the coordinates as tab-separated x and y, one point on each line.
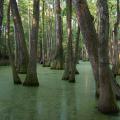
88	31
31	78
43	34
85	20
69	71
58	61
1	19
41	51
1	15
91	40
116	63
16	78
107	102
20	36
77	49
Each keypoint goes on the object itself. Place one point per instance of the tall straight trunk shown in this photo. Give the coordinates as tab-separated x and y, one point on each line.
85	21
31	78
17	51
77	49
20	36
16	78
69	71
29	23
41	45
116	63
107	102
1	15
111	45
1	19
58	61
46	62
41	51
50	38
43	33
53	24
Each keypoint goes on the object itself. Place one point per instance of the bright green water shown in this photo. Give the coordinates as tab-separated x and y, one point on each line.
53	100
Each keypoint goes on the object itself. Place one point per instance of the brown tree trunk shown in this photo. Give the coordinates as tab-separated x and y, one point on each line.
31	78
69	71
1	19
16	78
20	36
17	51
1	15
41	52
58	61
77	49
107	102
43	35
88	31
116	63
91	40
85	20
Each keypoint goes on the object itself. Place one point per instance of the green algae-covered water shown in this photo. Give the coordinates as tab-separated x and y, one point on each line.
54	99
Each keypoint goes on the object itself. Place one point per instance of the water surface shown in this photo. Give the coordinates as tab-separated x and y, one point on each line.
54	99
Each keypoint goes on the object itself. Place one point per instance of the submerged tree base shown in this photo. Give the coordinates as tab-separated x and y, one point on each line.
31	80
4	62
69	77
57	65
65	76
76	71
116	70
72	81
17	82
46	65
22	70
108	109
31	84
116	90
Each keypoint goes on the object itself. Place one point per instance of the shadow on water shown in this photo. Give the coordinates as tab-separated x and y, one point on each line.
53	100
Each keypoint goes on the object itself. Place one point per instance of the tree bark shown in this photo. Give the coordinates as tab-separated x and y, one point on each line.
1	19
1	15
88	31
58	61
69	71
31	78
107	102
116	62
77	49
44	55
91	41
85	21
20	36
16	78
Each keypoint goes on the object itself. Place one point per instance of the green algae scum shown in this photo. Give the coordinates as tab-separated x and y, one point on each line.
54	99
